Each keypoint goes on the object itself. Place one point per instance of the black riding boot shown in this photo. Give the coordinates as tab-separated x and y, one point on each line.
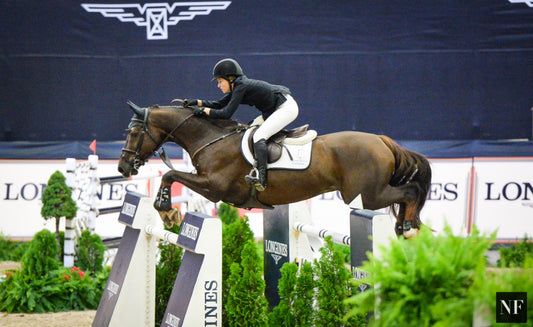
260	153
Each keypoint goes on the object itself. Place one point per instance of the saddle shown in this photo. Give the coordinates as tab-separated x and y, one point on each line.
275	143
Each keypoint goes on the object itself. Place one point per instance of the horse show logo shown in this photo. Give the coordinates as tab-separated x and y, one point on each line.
156	17
529	3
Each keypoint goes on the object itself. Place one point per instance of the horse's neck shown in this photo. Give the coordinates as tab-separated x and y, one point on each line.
189	132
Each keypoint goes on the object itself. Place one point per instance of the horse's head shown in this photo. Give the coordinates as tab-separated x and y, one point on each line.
141	143
150	128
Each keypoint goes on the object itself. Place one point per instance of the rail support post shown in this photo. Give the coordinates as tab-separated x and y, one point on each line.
289	236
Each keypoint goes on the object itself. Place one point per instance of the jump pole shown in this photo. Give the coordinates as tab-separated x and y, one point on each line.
129	295
290	236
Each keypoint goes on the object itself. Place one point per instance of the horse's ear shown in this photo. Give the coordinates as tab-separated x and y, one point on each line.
136	109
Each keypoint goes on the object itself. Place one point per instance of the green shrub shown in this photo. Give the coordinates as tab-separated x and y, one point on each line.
503	280
426	281
11	250
515	255
42	285
234	237
62	290
315	294
344	250
334	282
42	255
296	291
57	201
246	304
90	253
227	213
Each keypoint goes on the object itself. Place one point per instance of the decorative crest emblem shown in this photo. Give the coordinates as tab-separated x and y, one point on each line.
156	17
529	3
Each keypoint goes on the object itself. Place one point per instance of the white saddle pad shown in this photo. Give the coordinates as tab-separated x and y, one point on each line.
295	155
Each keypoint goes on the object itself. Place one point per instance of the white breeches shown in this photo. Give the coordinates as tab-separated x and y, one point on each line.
283	116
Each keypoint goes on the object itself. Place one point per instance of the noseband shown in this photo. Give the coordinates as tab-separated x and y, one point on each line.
138	160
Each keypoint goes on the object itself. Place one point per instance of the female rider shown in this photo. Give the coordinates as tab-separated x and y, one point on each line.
278	108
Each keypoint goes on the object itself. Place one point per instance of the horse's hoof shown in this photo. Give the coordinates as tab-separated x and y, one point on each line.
162	200
175	216
171	217
411	233
166	220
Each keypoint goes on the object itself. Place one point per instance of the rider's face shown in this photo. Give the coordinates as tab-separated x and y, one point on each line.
223	85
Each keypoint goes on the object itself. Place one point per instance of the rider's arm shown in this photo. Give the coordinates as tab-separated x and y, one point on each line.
219	104
234	99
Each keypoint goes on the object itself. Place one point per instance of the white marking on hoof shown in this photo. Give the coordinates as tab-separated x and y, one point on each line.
413	232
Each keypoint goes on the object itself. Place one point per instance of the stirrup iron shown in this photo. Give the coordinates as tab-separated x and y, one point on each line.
253	177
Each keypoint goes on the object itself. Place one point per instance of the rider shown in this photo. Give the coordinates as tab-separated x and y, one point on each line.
275	102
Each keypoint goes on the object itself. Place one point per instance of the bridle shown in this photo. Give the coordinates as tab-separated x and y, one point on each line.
138	159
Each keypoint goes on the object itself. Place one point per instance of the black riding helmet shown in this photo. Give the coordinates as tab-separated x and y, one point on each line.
226	68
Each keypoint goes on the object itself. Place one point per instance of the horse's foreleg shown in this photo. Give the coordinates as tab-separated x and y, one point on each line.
197	183
163	200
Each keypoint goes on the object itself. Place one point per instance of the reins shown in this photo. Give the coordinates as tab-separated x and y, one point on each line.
163	154
239	129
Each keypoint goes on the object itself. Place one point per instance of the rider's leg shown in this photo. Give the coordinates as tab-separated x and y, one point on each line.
283	116
260	153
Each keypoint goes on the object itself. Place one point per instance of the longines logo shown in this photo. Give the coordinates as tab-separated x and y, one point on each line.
527	2
156	17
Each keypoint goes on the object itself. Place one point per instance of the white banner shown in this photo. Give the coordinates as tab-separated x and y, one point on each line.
447	201
23	182
504	197
498	195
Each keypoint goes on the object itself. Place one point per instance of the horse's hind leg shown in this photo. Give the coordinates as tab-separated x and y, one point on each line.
407	221
400	217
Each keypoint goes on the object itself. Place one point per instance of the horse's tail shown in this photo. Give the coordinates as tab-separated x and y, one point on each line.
410	168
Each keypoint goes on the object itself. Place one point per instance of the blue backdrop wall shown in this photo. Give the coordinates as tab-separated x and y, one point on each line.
414	70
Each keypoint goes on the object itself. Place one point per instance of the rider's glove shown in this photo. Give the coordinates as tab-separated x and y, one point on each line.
198	111
190	102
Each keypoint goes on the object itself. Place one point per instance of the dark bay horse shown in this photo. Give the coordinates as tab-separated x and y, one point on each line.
353	163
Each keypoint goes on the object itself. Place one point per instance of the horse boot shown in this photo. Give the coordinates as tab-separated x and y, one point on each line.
261	155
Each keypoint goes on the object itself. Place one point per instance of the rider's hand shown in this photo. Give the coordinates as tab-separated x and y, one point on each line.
190	102
198	111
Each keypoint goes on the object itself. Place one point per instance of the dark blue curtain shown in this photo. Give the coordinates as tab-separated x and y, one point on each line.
414	70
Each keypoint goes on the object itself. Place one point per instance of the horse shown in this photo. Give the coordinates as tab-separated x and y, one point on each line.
353	163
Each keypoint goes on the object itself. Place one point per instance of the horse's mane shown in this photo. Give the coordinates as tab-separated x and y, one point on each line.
225	124
228	124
